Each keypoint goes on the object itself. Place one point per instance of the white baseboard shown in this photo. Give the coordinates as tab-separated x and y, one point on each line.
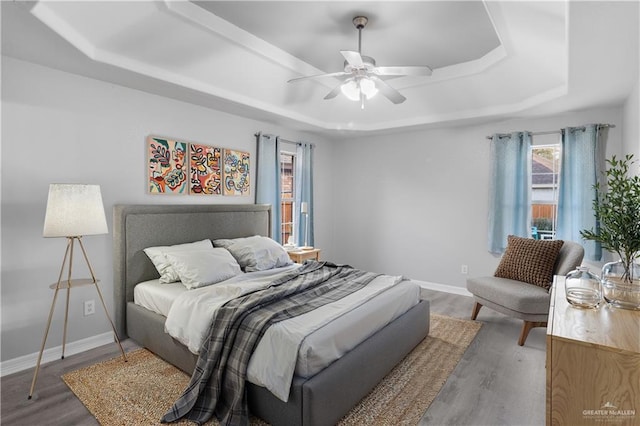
444	288
29	361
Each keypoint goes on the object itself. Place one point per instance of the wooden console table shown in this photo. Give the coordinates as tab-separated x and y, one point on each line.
593	363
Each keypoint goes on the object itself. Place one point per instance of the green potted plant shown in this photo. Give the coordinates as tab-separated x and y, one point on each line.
617	211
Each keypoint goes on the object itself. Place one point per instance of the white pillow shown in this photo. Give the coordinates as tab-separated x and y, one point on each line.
199	268
256	253
163	266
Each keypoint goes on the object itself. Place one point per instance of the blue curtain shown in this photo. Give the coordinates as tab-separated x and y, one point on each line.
510	193
304	193
583	156
268	180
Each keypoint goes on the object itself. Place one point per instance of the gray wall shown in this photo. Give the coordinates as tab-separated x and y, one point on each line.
631	123
62	128
417	203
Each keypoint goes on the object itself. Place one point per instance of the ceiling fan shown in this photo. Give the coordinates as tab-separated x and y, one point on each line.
361	76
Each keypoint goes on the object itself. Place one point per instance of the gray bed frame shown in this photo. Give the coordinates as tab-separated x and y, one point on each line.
320	400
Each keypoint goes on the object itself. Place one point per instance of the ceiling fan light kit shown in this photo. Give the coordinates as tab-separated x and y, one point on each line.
360	75
353	88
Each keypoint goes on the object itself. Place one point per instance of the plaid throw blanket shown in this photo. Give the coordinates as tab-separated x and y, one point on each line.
217	385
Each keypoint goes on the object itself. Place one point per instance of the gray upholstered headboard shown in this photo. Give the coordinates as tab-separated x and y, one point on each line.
136	227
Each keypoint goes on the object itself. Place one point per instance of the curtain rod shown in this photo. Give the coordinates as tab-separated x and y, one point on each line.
285	140
551	132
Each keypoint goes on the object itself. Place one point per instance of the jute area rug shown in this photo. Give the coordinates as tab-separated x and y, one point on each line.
140	391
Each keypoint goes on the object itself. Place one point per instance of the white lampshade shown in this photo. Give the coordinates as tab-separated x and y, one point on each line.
351	90
74	210
354	86
304	207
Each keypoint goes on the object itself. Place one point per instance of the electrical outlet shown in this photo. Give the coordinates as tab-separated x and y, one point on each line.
464	269
89	307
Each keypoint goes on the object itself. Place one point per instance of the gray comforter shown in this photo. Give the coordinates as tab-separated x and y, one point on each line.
217	385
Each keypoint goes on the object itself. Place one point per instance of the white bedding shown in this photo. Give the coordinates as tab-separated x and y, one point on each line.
305	344
157	297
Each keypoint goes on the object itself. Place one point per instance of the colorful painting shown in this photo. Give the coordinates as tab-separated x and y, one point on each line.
205	170
236	172
167	166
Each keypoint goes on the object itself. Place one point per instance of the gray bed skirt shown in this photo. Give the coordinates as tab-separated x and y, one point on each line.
320	400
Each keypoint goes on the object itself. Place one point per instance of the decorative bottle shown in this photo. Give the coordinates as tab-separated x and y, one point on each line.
583	288
621	286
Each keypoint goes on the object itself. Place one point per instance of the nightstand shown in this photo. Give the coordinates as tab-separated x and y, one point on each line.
299	256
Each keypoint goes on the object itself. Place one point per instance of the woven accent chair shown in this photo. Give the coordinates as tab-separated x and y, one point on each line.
518	299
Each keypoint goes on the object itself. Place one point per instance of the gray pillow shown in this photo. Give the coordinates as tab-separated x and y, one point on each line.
256	253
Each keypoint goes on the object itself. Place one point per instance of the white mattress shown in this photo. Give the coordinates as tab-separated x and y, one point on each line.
322	346
157	297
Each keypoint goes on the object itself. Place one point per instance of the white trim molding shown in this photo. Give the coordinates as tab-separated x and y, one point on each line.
29	361
445	288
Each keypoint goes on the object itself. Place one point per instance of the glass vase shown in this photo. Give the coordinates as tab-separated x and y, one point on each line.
582	288
621	286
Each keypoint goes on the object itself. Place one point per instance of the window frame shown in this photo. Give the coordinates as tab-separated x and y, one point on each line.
554	187
284	219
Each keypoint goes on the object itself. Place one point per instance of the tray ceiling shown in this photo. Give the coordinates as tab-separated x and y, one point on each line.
489	59
437	34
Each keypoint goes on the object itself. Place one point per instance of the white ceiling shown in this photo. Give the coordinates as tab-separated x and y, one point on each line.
491	60
437	34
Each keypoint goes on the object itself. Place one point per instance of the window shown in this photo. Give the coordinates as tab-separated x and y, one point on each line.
287	178
545	170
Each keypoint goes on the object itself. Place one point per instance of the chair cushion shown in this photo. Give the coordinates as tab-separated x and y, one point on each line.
514	295
569	258
528	260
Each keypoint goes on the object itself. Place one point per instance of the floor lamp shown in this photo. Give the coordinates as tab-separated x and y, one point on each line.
73	210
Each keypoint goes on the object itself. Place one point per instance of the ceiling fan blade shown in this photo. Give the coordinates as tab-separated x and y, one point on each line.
353	58
318	76
418	71
392	94
332	94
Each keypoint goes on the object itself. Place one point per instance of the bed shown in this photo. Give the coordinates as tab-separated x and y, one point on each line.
319	400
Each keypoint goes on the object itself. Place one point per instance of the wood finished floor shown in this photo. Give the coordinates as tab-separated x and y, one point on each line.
497	382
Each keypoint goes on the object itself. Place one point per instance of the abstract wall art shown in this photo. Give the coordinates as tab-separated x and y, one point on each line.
176	167
236	172
167	172
205	170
